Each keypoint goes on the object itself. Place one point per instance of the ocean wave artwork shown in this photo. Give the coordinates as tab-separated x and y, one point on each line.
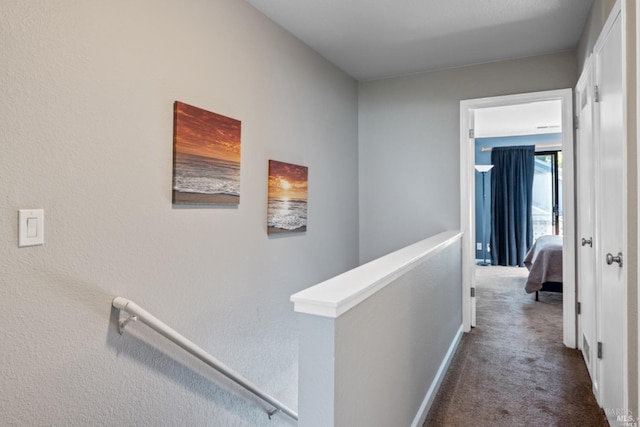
287	215
287	200
206	163
206	175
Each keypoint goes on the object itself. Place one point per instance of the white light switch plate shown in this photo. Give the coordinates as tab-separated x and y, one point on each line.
30	227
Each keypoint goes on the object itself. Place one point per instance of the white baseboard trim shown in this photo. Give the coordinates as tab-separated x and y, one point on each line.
421	416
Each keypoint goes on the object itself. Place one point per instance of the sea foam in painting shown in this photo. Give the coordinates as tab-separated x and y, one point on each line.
206	163
287	206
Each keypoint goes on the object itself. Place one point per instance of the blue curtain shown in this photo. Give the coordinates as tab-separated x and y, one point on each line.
511	199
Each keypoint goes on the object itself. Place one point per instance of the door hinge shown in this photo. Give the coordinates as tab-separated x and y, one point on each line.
596	94
473	292
576	123
472	133
599	350
579	308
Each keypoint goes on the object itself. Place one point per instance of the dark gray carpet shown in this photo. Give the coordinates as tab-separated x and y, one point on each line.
512	369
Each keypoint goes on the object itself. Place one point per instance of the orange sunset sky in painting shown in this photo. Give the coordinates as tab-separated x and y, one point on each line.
206	134
287	181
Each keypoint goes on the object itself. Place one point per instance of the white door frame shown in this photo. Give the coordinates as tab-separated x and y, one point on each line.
467	202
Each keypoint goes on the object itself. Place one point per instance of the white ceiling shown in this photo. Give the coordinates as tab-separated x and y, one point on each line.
523	119
372	39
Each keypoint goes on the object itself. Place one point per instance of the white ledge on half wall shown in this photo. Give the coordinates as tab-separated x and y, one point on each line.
339	294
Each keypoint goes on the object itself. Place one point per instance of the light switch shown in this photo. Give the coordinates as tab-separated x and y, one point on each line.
30	227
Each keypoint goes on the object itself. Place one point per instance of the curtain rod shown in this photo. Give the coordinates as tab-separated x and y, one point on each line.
537	146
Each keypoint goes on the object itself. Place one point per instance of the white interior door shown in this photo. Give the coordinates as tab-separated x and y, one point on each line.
585	213
610	242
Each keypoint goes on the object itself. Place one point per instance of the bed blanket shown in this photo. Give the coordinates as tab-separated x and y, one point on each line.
544	262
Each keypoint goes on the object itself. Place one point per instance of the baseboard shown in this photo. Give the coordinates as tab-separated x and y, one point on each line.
421	416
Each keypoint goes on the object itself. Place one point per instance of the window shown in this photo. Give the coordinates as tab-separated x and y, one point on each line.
547	194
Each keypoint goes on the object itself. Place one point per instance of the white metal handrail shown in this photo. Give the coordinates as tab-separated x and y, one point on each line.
138	313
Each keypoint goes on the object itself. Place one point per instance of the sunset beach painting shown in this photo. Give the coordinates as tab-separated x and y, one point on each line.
287	201
206	157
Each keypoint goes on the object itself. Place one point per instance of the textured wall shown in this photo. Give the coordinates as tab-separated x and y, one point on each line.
409	138
86	110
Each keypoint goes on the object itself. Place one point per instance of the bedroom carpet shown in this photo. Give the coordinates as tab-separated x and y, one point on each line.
512	369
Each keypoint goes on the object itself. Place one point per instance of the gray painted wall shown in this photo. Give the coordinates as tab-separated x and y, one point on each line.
373	365
409	139
86	117
595	21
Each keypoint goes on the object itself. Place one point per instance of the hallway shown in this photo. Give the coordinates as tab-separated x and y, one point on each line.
512	369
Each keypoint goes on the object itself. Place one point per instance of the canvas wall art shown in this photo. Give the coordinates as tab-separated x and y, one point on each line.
287	201
206	157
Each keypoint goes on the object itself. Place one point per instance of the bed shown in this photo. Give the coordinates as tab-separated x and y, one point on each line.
544	262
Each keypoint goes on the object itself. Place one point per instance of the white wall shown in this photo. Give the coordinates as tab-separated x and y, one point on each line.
409	129
86	112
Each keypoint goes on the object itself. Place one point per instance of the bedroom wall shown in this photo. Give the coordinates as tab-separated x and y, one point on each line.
86	116
409	138
484	158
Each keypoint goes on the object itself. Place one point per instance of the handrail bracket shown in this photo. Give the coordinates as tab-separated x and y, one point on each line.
122	323
272	412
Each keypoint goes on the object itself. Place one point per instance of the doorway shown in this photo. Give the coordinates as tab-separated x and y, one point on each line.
468	110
